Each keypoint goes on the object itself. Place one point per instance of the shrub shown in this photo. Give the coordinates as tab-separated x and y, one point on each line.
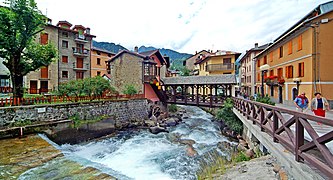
266	99
173	108
226	115
130	90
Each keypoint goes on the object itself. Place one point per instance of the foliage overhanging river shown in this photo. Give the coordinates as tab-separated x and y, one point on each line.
142	155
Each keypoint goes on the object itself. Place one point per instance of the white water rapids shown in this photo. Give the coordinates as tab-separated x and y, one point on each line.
142	155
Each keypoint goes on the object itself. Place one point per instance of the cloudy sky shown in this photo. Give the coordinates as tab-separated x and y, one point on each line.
182	25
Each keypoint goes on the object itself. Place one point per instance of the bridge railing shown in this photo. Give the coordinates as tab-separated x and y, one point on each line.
196	99
300	133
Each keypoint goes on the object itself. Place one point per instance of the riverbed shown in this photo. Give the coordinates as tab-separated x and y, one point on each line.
142	155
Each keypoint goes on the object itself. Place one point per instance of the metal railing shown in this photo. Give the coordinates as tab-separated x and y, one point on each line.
220	67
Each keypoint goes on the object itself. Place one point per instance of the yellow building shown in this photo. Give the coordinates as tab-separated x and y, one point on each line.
222	62
300	59
98	61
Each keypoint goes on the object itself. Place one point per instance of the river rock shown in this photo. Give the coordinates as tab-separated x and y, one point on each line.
224	145
174	137
150	123
187	141
243	143
156	130
191	151
240	147
249	153
171	121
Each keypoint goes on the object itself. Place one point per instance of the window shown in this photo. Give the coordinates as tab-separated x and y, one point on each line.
98	61
44	38
98	53
271	72
258	77
299	47
281	52
226	60
301	69
289	71
265	59
109	55
271	56
79	75
79	63
280	73
290	47
258	63
44	72
98	73
64	44
64	34
64	74
64	59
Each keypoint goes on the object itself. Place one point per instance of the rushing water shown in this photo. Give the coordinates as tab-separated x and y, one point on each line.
142	155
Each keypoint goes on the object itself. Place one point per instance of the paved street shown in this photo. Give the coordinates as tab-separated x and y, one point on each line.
329	114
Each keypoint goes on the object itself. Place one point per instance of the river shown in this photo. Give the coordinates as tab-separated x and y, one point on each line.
142	155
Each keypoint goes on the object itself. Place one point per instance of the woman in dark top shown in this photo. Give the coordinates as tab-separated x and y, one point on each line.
319	105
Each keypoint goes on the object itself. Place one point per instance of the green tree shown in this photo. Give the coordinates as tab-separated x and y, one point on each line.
184	71
91	87
20	22
130	90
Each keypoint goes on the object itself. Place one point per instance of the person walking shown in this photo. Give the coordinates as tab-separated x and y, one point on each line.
319	105
301	102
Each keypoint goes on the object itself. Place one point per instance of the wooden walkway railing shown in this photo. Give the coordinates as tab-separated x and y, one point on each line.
60	99
289	128
196	100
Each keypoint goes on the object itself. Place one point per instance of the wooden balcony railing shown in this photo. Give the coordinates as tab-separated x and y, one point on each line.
220	67
289	128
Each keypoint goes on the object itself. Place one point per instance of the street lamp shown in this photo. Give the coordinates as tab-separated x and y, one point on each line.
297	81
264	68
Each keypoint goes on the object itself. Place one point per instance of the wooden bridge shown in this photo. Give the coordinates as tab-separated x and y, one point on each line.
307	137
209	91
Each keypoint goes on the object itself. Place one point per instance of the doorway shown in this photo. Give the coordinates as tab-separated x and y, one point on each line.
33	87
294	93
280	95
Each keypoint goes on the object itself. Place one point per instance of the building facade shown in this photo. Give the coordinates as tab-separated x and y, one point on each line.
300	59
190	62
222	62
99	57
5	82
73	45
247	71
142	70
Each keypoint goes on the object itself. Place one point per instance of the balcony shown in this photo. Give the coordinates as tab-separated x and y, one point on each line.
81	38
220	67
80	52
77	67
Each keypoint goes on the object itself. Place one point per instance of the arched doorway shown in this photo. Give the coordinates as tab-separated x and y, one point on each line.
294	93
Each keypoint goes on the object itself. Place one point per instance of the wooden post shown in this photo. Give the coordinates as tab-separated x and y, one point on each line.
216	95
299	139
174	93
198	94
211	96
204	94
185	95
275	126
192	93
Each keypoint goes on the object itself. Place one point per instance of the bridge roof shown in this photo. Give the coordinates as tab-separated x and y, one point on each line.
201	80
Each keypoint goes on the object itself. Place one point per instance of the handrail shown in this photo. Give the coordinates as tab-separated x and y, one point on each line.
274	122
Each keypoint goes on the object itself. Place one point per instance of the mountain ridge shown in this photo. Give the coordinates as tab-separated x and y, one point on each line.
176	58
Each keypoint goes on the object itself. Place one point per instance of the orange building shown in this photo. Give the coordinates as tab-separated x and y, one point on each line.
99	57
300	59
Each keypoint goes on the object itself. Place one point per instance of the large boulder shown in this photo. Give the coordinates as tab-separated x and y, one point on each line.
191	151
187	141
157	129
150	123
171	121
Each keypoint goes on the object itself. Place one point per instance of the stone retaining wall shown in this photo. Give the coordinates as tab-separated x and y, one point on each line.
123	111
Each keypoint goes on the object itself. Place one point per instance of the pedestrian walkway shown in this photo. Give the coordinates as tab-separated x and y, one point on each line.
329	114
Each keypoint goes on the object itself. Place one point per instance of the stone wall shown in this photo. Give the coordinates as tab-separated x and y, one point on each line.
122	111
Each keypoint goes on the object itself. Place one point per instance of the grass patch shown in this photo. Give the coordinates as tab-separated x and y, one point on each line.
173	108
220	165
79	122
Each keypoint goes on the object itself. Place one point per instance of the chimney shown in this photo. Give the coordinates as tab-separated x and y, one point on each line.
256	45
136	49
87	30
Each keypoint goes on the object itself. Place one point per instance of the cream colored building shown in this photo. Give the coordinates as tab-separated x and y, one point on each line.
300	59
